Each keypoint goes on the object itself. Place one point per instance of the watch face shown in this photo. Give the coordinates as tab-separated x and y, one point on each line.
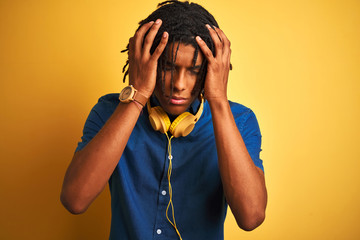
126	92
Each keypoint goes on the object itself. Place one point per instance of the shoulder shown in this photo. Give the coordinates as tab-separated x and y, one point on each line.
243	115
106	105
239	110
110	100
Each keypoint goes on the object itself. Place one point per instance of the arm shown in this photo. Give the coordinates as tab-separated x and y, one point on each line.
243	182
91	167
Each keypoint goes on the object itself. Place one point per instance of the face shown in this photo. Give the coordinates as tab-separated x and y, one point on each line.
185	76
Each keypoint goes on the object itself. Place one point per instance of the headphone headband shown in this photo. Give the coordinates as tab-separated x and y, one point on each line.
201	108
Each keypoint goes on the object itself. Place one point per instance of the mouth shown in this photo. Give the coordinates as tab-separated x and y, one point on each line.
177	100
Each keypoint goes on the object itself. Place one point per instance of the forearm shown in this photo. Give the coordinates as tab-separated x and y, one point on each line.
243	182
91	167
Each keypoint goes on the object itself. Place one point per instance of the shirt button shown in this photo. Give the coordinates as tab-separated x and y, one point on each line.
158	231
163	192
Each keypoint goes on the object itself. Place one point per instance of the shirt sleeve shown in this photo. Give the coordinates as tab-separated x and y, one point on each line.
251	135
92	126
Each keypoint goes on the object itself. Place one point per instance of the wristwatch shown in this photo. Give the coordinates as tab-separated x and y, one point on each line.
130	94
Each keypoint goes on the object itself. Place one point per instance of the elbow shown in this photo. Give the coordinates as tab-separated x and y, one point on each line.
250	221
72	205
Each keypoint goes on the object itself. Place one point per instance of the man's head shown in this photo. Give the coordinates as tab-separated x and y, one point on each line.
183	21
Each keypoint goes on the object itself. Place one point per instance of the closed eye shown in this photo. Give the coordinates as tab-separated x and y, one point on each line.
195	70
169	66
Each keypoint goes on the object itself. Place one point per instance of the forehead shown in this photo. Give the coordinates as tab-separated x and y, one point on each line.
184	53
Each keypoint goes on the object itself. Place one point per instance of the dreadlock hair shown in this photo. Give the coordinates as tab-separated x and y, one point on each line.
183	21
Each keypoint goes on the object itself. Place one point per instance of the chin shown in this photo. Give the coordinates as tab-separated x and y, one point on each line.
175	110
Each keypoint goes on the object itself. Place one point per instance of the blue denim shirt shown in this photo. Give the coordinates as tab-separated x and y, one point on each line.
139	185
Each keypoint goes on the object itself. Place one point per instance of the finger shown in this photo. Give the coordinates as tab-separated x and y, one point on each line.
216	40
160	48
225	40
131	47
148	42
139	37
205	49
216	31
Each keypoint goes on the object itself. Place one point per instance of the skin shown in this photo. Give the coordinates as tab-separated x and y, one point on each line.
243	182
185	76
91	167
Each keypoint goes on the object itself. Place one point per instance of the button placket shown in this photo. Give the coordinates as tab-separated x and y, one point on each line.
160	231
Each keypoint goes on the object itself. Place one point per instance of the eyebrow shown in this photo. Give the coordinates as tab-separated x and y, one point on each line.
173	64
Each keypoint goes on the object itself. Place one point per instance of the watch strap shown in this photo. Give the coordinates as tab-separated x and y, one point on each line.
138	97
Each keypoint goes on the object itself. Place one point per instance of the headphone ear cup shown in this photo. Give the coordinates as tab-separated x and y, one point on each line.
183	125
159	120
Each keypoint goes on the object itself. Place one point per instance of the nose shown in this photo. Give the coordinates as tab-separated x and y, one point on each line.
179	81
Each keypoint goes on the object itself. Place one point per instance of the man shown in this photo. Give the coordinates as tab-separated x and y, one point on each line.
167	178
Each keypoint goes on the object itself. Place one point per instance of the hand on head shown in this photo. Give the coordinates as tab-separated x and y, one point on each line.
218	66
142	64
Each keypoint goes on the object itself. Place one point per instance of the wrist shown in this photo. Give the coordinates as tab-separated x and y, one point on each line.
218	104
146	94
131	94
142	90
140	107
217	100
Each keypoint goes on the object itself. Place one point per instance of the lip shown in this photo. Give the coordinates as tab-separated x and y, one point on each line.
177	100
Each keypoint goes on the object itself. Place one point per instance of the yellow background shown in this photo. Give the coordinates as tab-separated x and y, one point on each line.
296	64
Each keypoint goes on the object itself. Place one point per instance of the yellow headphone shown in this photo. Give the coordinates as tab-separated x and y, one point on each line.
180	127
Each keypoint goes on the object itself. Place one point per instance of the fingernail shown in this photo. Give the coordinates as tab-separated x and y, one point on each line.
208	26
151	22
198	38
158	21
165	34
